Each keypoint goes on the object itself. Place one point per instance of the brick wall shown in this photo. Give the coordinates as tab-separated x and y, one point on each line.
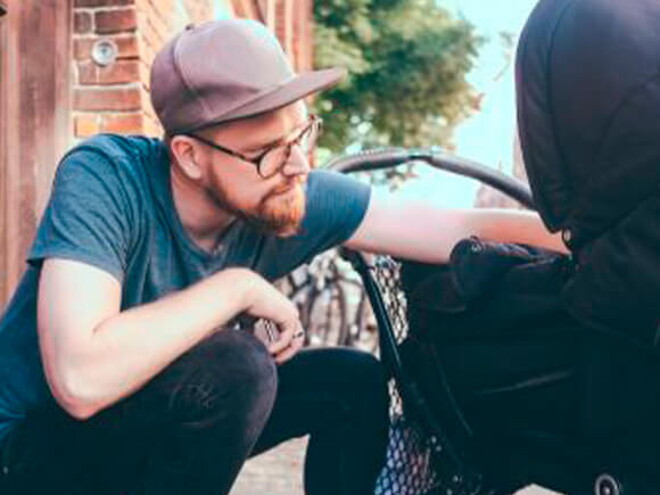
157	22
106	99
198	10
116	98
293	28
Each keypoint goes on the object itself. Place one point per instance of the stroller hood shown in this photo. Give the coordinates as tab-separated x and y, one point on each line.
588	90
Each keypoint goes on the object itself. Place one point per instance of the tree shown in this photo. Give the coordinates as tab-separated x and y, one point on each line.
407	61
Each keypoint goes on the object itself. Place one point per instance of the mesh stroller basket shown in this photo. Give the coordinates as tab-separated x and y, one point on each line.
421	459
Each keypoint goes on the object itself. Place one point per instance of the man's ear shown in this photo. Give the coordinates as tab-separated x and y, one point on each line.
187	156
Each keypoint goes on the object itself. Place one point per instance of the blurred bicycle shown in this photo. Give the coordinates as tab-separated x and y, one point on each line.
333	306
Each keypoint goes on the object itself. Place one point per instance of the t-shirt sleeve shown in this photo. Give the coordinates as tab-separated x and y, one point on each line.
87	218
335	207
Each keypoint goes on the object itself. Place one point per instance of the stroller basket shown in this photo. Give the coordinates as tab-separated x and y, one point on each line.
421	458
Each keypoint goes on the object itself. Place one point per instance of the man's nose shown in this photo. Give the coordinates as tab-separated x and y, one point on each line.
298	162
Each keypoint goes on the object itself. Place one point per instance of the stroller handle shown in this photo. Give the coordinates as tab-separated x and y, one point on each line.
383	158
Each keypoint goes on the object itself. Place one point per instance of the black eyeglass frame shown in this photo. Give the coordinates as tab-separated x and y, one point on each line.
314	120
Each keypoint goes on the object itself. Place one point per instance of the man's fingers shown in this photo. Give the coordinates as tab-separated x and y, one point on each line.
295	343
285	355
292	350
285	337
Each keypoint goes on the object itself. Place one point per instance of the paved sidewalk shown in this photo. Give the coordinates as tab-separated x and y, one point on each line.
279	472
276	472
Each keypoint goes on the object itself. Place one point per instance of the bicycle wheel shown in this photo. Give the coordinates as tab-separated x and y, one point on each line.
363	329
325	316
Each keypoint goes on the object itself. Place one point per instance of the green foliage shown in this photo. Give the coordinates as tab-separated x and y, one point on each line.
407	61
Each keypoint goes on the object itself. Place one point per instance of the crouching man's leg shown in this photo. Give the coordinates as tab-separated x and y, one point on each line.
188	431
339	397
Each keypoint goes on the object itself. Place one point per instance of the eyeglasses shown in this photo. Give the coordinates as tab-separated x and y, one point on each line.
273	158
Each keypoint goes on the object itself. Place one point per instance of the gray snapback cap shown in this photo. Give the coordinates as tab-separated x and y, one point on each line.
226	70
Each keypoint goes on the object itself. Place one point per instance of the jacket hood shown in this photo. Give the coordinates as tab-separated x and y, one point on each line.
588	95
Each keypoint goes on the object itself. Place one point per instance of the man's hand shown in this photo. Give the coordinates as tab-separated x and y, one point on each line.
266	302
287	344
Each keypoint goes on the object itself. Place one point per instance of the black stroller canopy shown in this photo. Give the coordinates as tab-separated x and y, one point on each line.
588	83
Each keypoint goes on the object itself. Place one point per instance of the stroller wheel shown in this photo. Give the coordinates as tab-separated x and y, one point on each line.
606	484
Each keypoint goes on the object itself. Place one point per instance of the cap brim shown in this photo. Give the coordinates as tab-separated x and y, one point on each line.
299	87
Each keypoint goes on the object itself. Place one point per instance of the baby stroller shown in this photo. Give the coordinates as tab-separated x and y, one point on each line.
513	366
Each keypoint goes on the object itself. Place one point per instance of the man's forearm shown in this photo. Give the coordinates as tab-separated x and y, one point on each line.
127	350
421	231
500	225
514	226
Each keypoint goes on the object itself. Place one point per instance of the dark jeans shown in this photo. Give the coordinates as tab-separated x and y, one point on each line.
192	427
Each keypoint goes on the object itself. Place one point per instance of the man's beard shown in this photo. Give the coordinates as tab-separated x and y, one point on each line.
280	212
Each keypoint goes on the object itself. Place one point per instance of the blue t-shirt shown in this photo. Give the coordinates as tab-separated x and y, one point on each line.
111	207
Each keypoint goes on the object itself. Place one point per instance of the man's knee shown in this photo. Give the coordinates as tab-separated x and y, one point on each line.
229	377
374	381
358	378
367	371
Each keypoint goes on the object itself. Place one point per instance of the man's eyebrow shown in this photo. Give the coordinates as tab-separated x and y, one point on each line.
259	147
274	142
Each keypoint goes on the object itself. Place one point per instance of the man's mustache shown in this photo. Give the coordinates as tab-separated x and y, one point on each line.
293	182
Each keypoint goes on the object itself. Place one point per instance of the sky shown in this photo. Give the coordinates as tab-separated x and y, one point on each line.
487	136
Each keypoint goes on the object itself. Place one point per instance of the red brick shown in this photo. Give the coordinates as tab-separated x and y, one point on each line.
127	47
129	123
199	10
145	72
119	72
102	3
82	48
161	7
113	99
86	125
116	21
82	22
160	23
152	128
148	34
87	73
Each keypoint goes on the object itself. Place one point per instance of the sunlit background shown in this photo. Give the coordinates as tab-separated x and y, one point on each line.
488	135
